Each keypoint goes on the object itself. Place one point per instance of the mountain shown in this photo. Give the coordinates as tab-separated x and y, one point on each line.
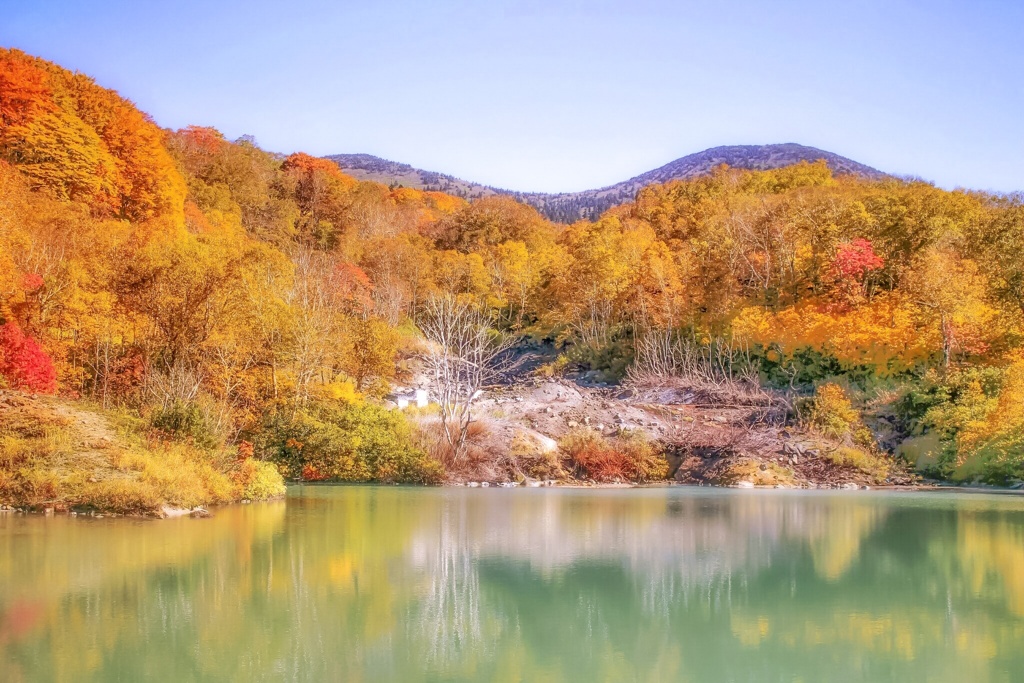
571	206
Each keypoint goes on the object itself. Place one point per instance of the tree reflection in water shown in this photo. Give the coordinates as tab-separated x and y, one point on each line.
380	583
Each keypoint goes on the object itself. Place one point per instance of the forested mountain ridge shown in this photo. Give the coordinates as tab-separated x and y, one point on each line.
589	204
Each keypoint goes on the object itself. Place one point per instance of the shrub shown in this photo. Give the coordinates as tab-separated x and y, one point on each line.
347	441
831	412
612	358
862	459
125	495
180	474
185	421
555	368
947	402
629	457
805	366
983	426
527	457
23	363
257	480
976	415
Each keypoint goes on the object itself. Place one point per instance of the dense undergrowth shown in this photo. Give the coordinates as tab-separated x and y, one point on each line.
112	461
351	441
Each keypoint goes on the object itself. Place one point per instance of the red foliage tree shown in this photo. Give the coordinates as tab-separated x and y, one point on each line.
23	363
853	262
855	259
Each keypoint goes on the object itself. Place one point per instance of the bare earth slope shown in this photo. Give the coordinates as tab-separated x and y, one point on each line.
706	443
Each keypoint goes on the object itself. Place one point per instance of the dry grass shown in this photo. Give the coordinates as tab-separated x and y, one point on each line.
876	465
760	474
61	456
428	435
528	459
630	457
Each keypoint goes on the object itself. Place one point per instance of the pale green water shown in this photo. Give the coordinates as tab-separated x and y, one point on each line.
389	584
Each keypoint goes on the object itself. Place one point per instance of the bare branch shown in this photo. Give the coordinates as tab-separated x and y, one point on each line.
465	356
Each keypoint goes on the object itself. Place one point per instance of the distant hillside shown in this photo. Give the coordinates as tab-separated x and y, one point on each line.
369	167
572	206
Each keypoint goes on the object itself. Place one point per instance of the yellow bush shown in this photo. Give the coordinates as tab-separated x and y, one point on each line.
990	445
257	480
865	461
831	411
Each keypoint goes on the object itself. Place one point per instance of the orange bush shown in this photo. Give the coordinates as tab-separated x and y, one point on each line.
624	458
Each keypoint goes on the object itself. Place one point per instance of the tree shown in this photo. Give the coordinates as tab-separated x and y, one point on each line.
83	142
853	262
369	357
321	192
489	222
23	363
465	356
952	293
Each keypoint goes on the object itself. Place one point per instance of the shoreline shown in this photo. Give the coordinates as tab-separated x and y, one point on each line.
203	512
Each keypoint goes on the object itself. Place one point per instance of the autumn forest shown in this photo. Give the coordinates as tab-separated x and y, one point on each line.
241	315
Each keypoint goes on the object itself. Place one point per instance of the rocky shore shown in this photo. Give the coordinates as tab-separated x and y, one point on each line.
707	441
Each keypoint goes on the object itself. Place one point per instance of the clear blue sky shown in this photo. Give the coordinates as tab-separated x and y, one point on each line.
552	96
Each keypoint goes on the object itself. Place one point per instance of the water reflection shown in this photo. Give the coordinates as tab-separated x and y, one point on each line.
370	584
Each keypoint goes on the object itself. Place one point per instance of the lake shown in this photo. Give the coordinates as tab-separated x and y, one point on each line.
451	584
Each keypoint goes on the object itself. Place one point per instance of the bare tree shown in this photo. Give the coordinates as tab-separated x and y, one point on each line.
722	366
465	356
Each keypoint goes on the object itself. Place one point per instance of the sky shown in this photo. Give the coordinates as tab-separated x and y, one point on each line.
549	95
